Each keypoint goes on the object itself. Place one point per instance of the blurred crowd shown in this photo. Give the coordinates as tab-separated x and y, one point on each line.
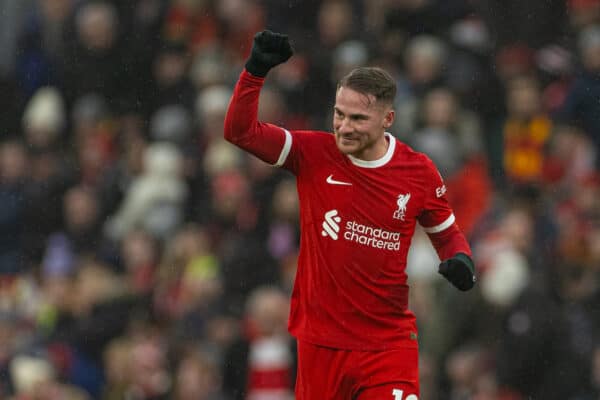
143	258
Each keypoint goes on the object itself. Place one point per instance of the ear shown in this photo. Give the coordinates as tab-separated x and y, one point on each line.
388	119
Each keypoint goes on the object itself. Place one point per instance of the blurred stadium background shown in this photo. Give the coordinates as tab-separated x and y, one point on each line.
141	257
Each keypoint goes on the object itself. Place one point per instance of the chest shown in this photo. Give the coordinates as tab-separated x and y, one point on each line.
389	198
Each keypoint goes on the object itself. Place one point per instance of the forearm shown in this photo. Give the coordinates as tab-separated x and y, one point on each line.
242	127
455	254
450	242
241	119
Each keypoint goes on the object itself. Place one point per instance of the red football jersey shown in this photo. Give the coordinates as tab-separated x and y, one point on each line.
357	219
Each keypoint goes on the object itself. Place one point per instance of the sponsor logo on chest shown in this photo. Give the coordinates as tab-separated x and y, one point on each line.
335	228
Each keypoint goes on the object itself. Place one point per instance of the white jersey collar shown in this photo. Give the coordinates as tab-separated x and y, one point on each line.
380	161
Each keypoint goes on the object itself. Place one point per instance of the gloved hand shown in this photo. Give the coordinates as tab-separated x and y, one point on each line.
268	50
459	270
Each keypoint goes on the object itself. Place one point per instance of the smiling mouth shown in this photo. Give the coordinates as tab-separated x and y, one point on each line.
347	138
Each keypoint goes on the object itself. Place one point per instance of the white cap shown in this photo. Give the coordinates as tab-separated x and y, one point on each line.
45	111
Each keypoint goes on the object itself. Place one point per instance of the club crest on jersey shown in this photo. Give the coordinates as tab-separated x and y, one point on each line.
401	202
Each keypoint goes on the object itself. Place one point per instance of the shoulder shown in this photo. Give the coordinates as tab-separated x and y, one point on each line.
408	154
313	138
313	135
419	164
304	147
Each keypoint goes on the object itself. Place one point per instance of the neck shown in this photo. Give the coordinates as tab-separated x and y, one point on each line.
376	151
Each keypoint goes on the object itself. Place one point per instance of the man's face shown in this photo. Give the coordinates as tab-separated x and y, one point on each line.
359	123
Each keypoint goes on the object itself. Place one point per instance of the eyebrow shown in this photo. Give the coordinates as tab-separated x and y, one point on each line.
354	116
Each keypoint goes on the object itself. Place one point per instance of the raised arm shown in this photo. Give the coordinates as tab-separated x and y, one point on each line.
242	128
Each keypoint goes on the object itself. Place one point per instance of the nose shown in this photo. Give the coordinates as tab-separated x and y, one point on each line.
344	126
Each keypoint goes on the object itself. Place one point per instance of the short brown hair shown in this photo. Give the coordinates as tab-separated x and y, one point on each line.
371	80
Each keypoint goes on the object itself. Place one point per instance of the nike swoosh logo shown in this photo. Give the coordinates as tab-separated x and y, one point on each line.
332	181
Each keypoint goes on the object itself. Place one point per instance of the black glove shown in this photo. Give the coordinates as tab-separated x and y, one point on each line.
268	50
459	270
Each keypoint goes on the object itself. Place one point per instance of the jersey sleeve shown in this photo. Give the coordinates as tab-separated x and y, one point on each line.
437	217
268	142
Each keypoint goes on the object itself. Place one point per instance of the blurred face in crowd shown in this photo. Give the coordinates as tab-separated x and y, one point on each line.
268	310
582	13
148	365
80	208
517	228
591	58
56	10
116	357
334	21
285	201
196	378
440	108
523	97
138	250
424	59
170	67
239	14
13	162
97	25
359	123
230	192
